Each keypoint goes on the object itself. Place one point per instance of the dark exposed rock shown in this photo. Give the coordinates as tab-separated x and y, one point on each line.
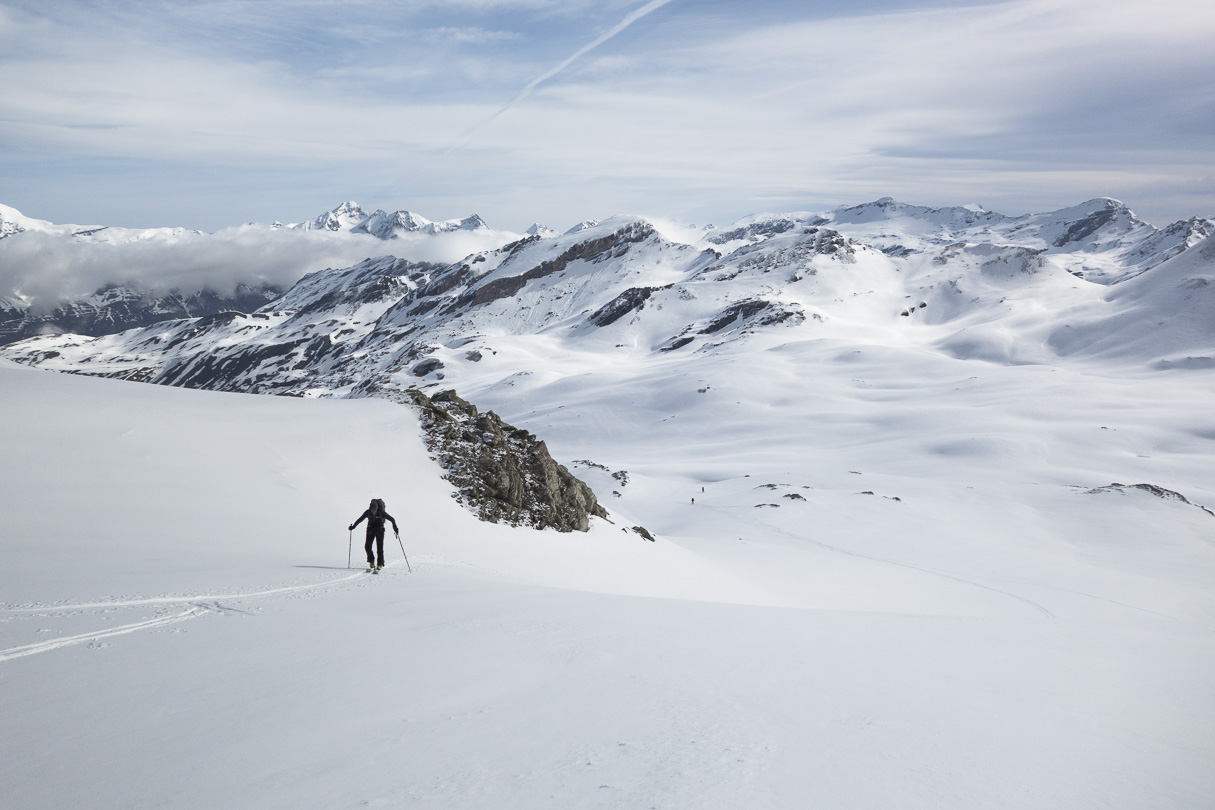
426	367
768	314
631	299
502	473
212	371
1088	225
677	343
641	530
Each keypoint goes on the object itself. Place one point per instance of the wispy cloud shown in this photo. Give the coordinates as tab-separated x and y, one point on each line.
629	19
708	110
468	35
47	268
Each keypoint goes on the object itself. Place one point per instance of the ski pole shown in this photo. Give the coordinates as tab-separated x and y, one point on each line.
349	545
403	554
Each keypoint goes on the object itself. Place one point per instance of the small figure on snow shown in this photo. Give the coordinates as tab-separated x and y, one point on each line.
376	516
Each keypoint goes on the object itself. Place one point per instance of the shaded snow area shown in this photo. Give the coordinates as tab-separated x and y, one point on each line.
905	582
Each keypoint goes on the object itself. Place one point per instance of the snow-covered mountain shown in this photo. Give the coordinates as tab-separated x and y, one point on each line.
1101	240
963	281
13	222
115	308
349	216
97	279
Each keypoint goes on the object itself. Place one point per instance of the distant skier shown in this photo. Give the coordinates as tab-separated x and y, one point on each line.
376	516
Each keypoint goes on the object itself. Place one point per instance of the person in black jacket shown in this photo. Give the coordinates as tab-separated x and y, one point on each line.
376	516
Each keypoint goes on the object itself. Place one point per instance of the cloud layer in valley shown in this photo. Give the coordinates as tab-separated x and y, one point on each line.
43	269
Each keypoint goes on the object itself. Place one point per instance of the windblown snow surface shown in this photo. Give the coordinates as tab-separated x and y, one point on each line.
895	588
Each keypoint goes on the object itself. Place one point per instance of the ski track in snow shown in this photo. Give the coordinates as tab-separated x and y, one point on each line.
200	605
1061	589
67	641
204	604
932	571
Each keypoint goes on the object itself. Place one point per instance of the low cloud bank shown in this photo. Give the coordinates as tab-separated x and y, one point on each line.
45	269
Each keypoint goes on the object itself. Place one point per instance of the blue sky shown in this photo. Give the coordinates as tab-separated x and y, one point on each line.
215	112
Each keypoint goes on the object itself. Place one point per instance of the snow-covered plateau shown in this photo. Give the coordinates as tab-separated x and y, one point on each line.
931	490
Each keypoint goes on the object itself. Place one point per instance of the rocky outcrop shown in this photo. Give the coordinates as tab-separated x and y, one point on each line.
632	299
502	473
1152	489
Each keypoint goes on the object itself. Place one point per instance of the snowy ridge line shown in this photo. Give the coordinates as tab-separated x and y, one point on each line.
177	600
54	644
933	571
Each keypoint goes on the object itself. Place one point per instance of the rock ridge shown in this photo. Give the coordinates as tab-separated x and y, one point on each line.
501	473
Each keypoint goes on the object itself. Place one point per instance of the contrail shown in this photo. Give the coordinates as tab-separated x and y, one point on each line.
633	17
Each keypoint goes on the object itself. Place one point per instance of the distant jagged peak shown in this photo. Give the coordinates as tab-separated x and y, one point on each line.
384	225
350	216
343	218
543	231
472	223
348	208
584	225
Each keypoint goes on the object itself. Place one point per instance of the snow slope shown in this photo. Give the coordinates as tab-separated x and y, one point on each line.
982	630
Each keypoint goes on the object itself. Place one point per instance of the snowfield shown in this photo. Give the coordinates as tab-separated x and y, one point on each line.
179	627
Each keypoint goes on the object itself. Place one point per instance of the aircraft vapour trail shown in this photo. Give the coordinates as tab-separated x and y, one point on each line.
632	17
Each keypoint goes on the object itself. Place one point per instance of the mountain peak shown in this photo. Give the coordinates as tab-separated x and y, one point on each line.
543	231
346	216
584	225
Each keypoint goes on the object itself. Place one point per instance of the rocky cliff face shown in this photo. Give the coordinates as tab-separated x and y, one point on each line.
502	473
